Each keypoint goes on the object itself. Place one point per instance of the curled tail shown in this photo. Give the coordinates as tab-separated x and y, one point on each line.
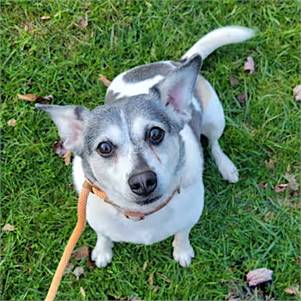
217	38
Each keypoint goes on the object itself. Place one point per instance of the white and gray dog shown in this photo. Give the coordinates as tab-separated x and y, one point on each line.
143	149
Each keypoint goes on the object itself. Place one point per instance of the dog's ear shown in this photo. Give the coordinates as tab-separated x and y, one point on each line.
176	90
70	121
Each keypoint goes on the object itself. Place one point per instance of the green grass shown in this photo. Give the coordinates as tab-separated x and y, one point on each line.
243	226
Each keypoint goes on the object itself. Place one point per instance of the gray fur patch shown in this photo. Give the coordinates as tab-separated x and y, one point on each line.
148	71
140	164
101	118
196	123
88	170
181	159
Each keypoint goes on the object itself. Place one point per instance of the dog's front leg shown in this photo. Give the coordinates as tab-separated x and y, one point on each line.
182	250
102	253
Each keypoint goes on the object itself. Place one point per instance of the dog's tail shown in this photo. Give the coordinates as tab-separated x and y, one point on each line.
217	38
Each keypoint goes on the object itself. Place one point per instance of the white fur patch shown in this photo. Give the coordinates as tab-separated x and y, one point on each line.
124	88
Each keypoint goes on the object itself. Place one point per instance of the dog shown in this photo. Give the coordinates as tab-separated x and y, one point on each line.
142	148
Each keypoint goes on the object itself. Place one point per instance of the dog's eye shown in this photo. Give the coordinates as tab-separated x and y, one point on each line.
155	135
105	149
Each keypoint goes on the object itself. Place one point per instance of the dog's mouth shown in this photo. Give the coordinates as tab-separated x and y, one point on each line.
148	201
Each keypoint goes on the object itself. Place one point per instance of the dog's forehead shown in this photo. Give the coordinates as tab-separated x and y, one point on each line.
145	106
119	119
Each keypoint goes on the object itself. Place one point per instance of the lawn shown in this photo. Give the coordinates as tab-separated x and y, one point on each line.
245	226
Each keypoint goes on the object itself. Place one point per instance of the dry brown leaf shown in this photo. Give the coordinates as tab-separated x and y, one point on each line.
281	187
90	264
59	149
8	228
12	122
263	185
28	27
33	98
292	182
259	276
47	98
78	271
293	290
28	97
297	93
44	18
233	81
242	98
144	265
249	65
82	292
83	22
270	163
104	80
67	158
150	279
80	253
69	268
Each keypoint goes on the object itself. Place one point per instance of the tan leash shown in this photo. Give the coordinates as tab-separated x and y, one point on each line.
80	226
78	230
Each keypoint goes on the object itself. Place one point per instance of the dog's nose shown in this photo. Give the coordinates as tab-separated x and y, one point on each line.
143	183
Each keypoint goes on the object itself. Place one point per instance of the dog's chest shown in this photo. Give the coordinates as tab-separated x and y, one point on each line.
182	212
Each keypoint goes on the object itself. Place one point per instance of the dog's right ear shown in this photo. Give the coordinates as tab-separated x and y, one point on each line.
176	89
70	121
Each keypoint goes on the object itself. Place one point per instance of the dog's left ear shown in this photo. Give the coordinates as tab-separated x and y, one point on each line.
70	121
176	90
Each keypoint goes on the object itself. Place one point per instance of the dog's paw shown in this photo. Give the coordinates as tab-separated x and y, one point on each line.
102	256
183	255
228	170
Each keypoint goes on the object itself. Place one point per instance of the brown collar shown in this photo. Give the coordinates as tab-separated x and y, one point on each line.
128	213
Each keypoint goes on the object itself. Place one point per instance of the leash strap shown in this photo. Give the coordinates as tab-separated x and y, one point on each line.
78	230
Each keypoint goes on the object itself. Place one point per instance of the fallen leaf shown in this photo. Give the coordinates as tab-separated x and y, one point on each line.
33	98
44	18
270	163
12	122
8	228
28	27
297	93
249	65
263	185
292	182
104	80
80	253
259	276
82	292
67	158
83	22
28	97
59	149
48	98
150	279
78	271
293	290
281	187
242	98
233	81
144	265
90	264
69	268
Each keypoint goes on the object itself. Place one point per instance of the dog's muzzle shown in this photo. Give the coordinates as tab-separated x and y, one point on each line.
143	183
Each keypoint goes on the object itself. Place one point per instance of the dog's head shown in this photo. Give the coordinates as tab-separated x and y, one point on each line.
132	147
